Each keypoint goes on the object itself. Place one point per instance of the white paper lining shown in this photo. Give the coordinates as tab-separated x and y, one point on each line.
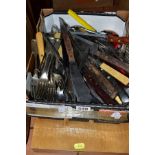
100	23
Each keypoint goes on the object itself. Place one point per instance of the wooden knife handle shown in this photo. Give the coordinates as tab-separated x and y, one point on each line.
119	40
112	60
103	82
40	44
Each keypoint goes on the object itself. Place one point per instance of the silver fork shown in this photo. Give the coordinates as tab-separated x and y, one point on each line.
59	82
46	87
44	83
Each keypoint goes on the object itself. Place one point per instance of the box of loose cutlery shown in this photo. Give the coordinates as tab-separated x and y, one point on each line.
81	67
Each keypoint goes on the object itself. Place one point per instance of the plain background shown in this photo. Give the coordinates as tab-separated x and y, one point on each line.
13	83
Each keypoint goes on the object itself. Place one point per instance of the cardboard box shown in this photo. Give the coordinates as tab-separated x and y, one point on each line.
99	113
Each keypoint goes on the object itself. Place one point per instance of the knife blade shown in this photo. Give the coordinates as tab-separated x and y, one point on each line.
79	86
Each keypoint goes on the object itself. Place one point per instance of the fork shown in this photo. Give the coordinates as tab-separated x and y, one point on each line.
44	83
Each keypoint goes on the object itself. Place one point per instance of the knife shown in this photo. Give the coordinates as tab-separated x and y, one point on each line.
79	86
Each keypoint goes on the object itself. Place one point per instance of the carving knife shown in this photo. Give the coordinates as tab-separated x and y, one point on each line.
79	86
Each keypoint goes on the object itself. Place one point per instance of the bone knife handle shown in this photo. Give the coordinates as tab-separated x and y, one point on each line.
117	75
40	44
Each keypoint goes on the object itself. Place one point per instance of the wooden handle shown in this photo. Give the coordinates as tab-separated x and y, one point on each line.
69	47
112	60
103	82
40	44
119	40
117	75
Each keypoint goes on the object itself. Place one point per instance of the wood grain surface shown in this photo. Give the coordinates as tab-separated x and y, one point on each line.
54	135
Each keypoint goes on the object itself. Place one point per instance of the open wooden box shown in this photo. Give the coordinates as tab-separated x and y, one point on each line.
98	113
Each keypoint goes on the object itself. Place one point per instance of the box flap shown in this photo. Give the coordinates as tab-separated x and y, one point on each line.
40	23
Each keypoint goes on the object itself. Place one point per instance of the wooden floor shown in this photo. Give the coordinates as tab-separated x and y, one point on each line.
36	141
